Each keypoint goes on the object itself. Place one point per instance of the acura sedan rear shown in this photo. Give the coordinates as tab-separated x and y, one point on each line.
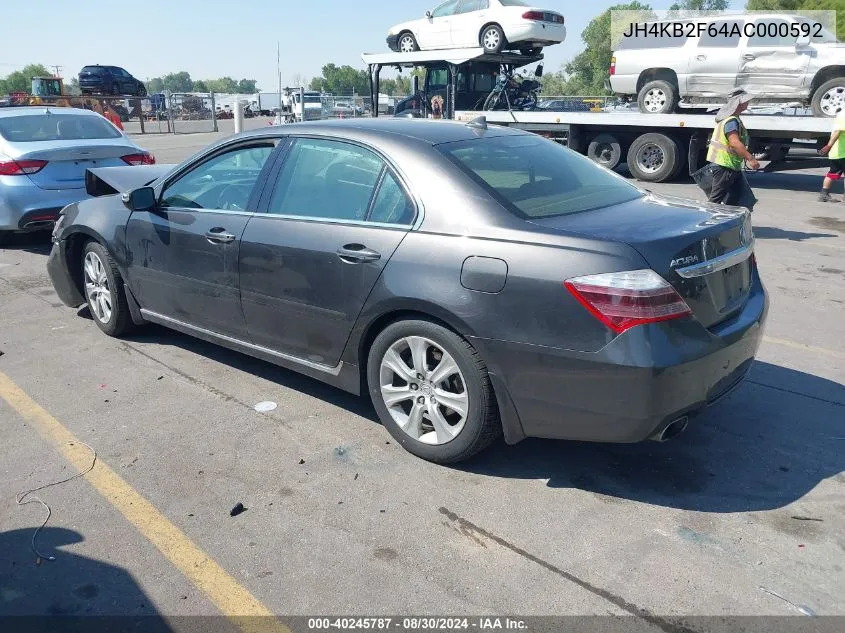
476	281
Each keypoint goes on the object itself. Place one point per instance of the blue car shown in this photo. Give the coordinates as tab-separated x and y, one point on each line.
44	153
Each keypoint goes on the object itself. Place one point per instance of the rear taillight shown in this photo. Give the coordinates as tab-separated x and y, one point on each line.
542	16
612	66
21	167
139	159
627	299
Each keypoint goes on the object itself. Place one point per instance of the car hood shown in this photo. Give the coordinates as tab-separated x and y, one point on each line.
106	181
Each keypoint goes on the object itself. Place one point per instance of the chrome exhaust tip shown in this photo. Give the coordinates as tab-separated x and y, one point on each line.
672	430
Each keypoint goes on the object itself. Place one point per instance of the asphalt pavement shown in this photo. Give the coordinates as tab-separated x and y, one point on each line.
741	515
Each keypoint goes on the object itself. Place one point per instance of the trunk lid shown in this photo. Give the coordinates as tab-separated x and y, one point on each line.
67	161
674	236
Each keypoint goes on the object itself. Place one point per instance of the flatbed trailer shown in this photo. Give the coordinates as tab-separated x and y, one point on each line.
656	147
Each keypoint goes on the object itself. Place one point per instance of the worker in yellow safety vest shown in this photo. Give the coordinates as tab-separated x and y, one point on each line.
835	149
728	152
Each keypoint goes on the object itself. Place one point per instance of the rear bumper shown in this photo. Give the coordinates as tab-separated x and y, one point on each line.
636	385
533	32
60	276
24	206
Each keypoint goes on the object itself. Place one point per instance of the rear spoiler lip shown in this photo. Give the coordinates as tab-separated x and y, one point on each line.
107	181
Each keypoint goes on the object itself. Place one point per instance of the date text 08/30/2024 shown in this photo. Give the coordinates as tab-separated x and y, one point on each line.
416	624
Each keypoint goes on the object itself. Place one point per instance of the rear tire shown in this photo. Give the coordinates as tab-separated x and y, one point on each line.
606	150
434	431
115	88
654	157
657	97
104	291
142	90
408	43
492	38
829	98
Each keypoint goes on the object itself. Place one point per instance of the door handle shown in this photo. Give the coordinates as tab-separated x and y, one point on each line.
357	254
219	235
700	58
749	57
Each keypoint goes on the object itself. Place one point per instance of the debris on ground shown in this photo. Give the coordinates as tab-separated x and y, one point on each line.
356	477
301	461
805	610
800	518
160	378
265	407
238	509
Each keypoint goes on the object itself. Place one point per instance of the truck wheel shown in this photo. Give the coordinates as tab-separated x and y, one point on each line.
829	98
658	97
653	157
606	150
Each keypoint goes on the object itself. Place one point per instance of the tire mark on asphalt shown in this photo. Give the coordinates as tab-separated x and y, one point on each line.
618	601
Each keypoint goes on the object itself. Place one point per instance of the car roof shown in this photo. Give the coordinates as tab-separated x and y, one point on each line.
424	130
42	110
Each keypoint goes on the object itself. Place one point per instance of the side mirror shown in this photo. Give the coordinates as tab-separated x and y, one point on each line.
802	41
142	199
428	14
539	71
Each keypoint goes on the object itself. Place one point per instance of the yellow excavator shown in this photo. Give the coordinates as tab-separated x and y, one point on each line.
50	91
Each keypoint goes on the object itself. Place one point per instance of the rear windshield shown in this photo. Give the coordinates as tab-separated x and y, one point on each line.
55	127
538	178
92	69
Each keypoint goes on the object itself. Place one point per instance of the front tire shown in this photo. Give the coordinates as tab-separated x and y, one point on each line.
408	43
829	99
431	390
492	38
657	97
104	291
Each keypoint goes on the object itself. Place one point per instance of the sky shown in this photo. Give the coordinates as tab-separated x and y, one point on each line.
216	38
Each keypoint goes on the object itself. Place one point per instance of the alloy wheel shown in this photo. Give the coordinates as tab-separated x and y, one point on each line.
424	390
406	44
491	39
833	101
97	288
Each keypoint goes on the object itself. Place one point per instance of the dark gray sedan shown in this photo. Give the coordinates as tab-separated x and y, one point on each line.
476	281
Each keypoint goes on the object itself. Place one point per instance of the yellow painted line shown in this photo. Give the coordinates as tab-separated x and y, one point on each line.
801	346
230	597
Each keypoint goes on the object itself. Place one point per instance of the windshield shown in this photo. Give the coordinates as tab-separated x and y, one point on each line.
513	3
538	178
56	127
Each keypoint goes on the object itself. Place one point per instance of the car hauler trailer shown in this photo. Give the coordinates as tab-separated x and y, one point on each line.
656	147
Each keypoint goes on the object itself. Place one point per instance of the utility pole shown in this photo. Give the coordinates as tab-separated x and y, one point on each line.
279	73
58	70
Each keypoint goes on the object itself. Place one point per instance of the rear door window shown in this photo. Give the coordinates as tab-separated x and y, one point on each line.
769	33
328	179
538	178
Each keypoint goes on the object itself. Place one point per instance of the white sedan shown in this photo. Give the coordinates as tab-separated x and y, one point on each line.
495	25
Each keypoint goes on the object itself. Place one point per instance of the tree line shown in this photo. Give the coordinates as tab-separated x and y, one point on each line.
182	82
